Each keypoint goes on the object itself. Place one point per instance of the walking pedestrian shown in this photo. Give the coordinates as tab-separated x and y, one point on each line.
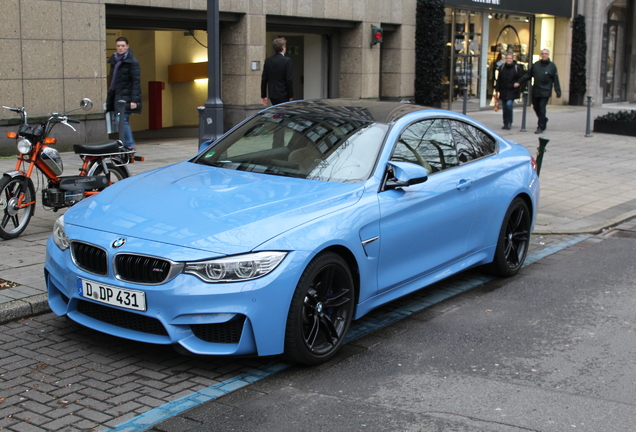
125	84
509	73
277	78
545	76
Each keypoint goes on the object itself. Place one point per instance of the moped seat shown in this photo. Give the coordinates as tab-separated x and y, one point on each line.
112	146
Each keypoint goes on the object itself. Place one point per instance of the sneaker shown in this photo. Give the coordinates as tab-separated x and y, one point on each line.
538	131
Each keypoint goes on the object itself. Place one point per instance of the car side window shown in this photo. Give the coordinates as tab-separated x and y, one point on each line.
428	143
471	143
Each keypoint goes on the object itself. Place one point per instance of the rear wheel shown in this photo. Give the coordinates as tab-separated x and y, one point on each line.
15	191
321	310
117	173
513	241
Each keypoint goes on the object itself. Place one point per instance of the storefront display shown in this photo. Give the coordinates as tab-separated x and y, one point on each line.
479	34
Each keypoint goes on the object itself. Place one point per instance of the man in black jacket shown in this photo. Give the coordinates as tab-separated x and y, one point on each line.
509	73
277	79
545	75
124	85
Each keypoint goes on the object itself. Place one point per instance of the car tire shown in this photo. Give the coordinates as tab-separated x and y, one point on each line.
513	240
321	310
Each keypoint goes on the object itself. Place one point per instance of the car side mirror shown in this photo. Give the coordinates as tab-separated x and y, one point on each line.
404	174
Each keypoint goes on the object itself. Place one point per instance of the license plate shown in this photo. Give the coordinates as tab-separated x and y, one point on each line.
122	297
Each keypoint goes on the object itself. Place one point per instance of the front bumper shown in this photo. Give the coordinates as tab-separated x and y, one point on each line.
214	319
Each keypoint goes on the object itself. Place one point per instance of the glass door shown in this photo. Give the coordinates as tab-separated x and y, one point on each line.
465	58
614	67
614	76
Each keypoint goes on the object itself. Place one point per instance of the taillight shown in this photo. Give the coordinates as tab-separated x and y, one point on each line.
12	135
533	162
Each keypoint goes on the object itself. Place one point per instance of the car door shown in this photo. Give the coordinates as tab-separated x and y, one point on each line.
476	151
424	227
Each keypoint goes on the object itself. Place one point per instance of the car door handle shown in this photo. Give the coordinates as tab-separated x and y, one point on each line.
464	184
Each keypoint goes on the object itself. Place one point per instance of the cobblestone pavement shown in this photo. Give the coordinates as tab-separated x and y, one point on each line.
59	376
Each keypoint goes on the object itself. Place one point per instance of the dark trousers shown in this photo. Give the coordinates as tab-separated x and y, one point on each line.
539	104
507	106
278	101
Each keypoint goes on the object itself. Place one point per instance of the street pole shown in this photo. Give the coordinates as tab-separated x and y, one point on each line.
465	92
211	119
589	116
523	116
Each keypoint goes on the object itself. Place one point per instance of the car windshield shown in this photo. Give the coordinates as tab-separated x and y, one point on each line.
329	147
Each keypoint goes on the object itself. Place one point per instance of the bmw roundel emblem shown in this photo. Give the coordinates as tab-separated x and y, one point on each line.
119	243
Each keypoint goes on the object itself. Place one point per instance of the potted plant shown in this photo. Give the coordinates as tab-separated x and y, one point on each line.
619	123
578	85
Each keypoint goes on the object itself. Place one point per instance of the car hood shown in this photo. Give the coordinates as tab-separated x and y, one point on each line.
213	209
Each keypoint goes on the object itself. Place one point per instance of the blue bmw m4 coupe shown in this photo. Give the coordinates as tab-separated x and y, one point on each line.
297	221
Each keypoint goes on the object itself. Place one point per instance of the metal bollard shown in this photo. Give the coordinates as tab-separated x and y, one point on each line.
465	91
523	116
543	142
589	116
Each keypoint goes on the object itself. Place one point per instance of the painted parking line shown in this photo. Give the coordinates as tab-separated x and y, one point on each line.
173	408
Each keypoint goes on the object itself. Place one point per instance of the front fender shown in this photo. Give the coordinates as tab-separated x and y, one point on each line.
15	173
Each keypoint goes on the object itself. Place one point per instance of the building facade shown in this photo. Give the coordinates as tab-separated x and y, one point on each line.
611	49
54	52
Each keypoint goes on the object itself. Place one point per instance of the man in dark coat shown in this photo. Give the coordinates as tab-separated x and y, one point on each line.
125	84
509	73
277	78
545	75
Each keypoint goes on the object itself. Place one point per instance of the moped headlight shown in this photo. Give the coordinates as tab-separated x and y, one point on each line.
59	234
235	268
24	146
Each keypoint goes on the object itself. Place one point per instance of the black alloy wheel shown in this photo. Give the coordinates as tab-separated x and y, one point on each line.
321	310
513	241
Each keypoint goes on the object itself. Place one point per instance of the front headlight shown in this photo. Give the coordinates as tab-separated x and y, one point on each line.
59	234
236	268
24	146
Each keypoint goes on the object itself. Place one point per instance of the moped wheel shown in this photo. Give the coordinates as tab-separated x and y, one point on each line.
321	310
117	173
14	219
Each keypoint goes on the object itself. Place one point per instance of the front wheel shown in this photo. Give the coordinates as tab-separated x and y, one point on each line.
117	173
513	240
321	310
17	204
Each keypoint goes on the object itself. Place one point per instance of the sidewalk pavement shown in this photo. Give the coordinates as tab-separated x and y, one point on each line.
587	184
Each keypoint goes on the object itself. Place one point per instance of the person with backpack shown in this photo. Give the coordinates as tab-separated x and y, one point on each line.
509	73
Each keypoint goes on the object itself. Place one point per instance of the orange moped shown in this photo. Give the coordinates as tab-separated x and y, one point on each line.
103	164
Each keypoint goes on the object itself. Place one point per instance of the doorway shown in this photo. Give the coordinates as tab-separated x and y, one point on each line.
614	72
464	57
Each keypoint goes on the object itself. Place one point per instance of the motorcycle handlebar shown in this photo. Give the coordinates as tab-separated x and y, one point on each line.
18	110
